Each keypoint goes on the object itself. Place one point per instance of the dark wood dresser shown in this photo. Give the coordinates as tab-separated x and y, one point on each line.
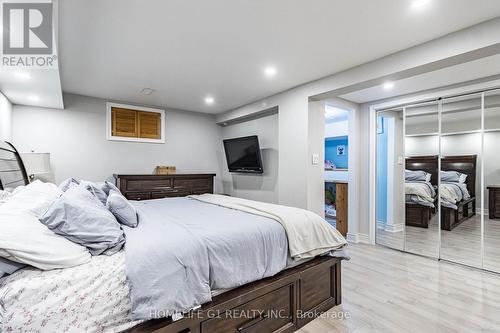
144	187
494	202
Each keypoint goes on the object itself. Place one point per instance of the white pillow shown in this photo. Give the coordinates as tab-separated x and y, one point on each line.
4	196
462	178
24	239
428	177
34	198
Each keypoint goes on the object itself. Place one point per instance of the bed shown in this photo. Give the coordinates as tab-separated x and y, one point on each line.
454	214
419	213
455	209
94	297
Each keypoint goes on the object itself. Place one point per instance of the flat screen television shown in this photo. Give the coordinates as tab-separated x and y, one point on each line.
243	154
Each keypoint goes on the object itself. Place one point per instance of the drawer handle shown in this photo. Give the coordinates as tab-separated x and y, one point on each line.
253	322
186	330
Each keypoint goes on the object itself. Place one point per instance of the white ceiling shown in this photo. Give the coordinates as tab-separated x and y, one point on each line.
448	76
187	50
37	87
31	85
334	114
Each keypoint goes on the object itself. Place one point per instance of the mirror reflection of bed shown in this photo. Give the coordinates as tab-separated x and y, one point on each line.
460	225
451	141
457	191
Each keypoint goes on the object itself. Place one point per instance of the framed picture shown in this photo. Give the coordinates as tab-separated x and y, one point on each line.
341	150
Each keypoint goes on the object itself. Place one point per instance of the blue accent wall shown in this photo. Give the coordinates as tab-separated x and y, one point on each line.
381	192
341	161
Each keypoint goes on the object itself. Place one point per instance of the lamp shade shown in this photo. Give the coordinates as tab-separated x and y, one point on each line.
36	163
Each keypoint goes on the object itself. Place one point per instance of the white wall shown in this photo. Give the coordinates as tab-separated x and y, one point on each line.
316	172
364	170
395	166
5	119
76	139
338	128
255	186
422	145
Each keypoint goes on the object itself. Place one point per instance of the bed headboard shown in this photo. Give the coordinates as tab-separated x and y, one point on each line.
12	170
428	164
465	164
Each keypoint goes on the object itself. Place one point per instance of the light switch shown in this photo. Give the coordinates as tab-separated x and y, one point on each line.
315	159
400	160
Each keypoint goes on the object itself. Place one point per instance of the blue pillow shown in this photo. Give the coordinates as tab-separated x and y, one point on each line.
8	267
80	217
108	187
450	176
122	209
96	191
66	184
415	176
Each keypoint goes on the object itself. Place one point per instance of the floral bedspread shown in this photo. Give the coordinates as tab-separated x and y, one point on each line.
87	298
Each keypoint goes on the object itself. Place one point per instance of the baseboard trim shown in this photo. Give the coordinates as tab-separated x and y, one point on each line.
390	227
358	238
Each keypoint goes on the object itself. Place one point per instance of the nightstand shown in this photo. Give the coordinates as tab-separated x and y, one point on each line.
494	201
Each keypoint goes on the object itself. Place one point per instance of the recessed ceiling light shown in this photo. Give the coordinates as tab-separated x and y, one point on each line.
388	85
419	4
34	98
209	100
147	91
270	71
22	75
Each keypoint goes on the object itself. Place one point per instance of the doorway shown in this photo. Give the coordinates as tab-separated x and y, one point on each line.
336	167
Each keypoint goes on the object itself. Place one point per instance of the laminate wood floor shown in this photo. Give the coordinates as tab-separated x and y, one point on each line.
462	244
389	291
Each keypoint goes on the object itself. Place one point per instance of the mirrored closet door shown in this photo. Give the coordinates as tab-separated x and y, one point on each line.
438	179
421	179
460	189
491	185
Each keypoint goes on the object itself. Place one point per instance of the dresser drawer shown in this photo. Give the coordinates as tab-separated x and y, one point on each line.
169	194
148	184
268	313
138	195
193	183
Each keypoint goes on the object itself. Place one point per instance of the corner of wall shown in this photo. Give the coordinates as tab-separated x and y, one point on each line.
5	118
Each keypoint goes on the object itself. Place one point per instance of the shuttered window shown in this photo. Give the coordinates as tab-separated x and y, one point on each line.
149	125
128	124
124	122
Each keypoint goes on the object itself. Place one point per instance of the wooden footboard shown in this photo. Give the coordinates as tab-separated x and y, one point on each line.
451	218
282	303
418	215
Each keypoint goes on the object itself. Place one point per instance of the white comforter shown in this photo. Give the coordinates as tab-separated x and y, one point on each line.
419	189
308	234
89	298
449	194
